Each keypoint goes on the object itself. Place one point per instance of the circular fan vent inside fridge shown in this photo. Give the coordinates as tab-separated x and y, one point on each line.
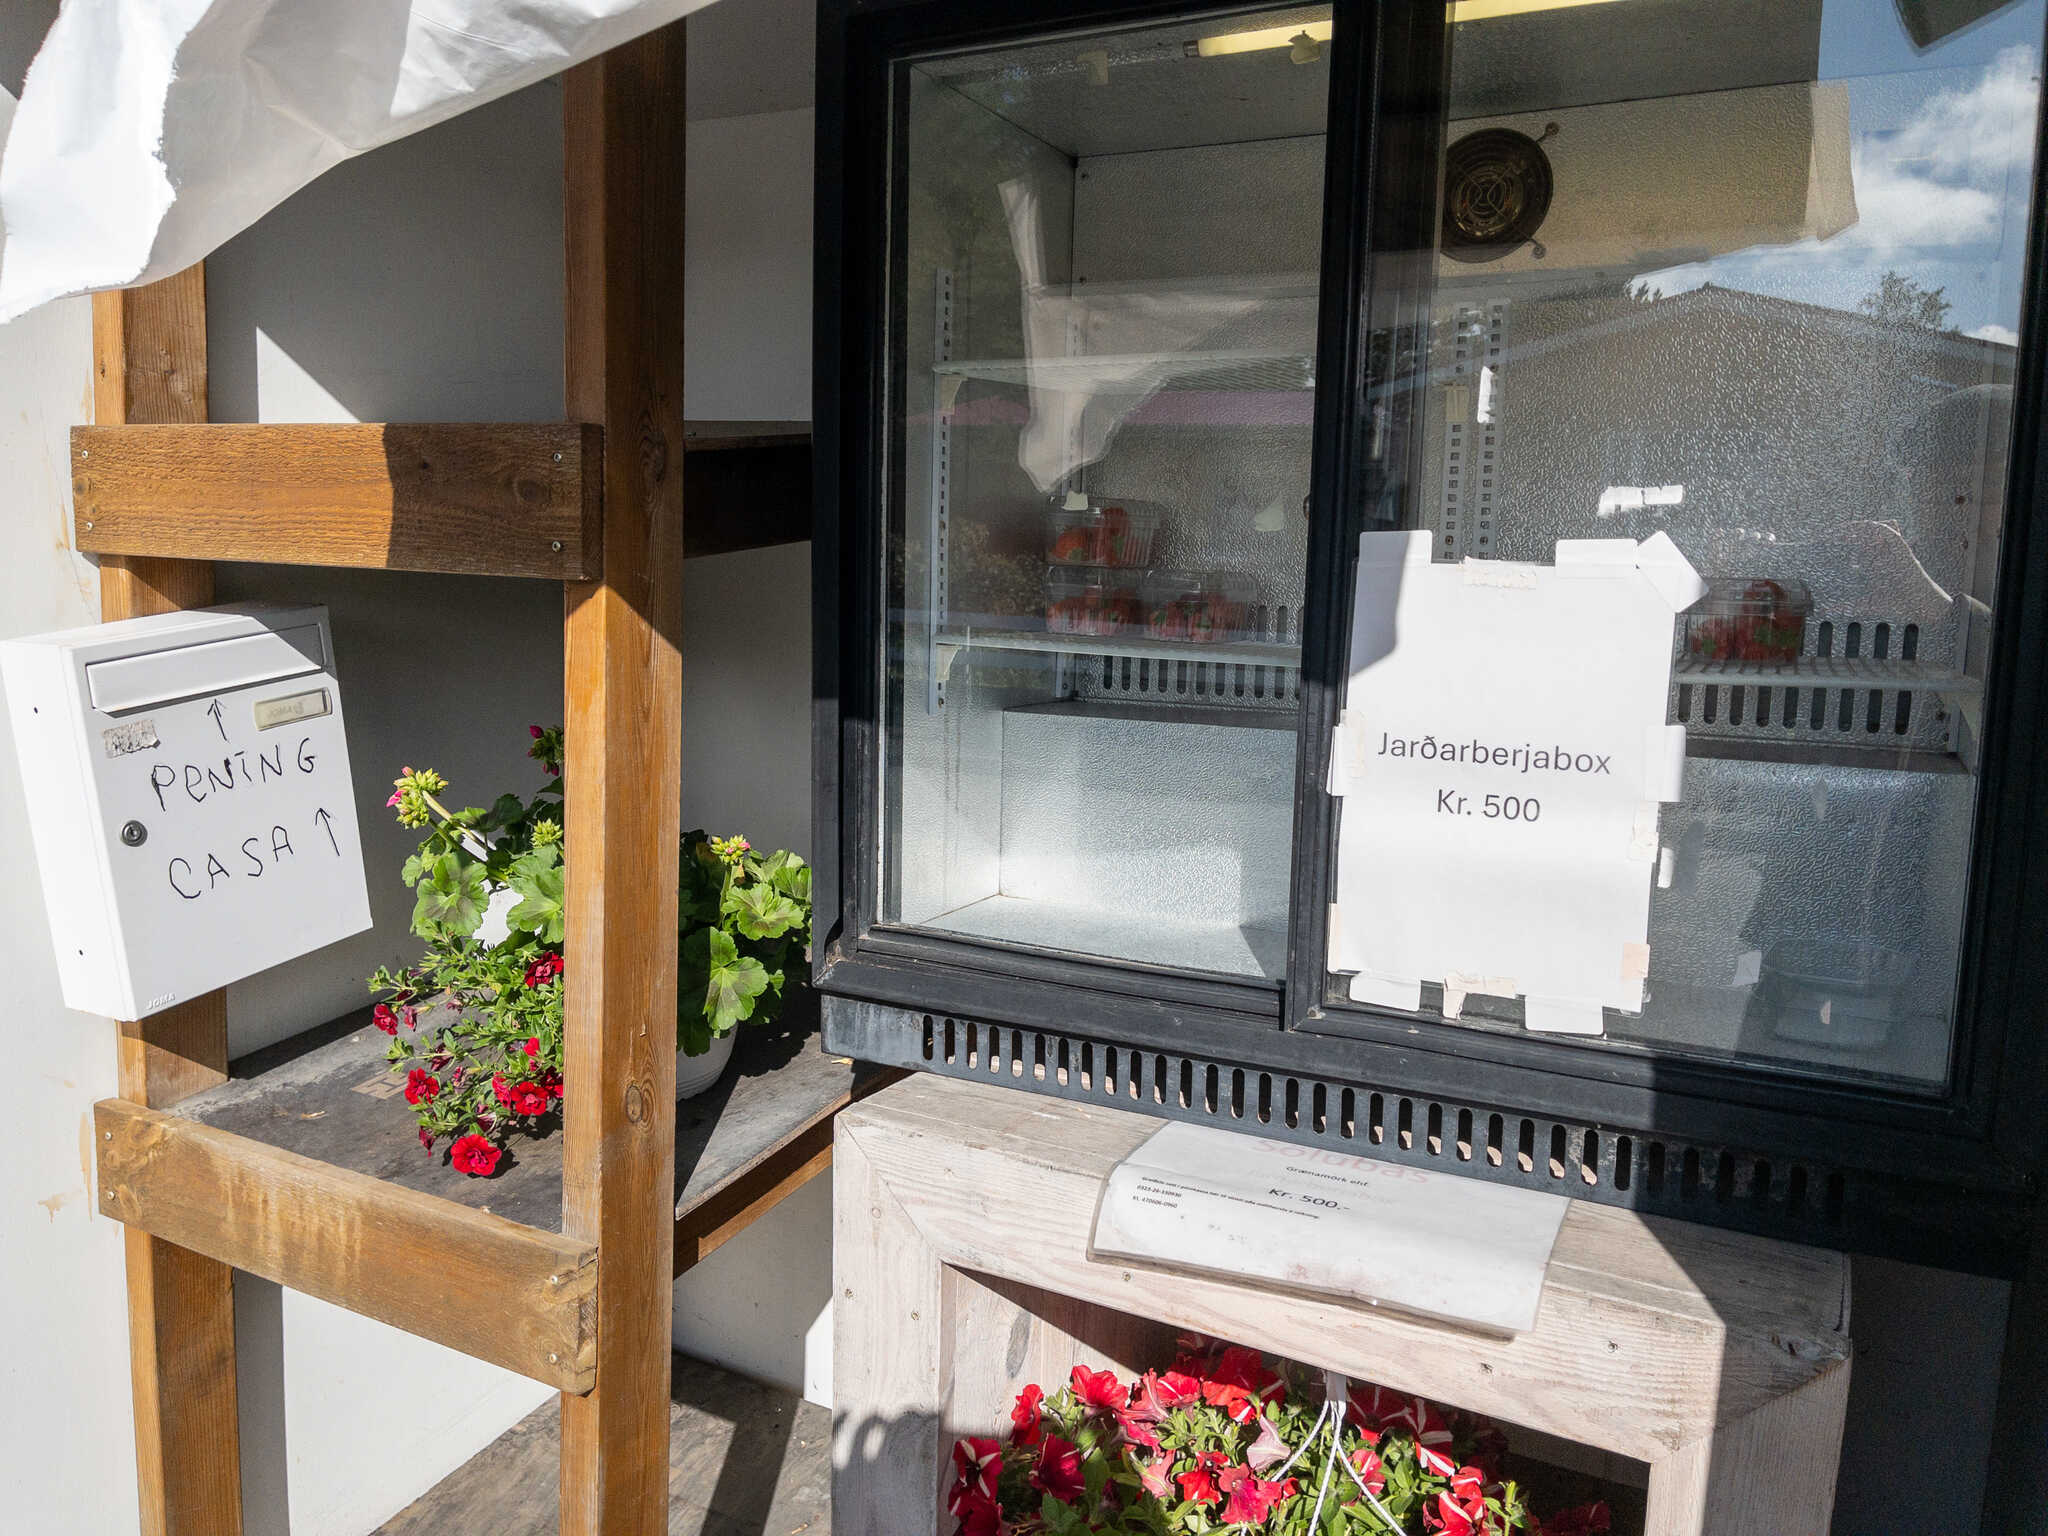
1496	194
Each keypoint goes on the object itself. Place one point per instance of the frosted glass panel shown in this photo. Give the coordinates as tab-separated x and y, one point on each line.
1750	277
1107	259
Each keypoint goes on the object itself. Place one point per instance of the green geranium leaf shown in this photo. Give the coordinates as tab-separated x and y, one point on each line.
761	911
507	810
693	1031
537	877
409	872
788	874
735	981
452	895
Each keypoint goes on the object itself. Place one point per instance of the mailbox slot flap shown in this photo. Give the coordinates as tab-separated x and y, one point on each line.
158	677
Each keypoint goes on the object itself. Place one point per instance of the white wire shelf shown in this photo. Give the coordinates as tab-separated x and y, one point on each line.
1247	653
1825	672
1145	373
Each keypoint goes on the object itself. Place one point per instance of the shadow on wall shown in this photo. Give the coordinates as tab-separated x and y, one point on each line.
20	39
419	282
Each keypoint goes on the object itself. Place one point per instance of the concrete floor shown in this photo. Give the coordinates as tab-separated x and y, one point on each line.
744	1460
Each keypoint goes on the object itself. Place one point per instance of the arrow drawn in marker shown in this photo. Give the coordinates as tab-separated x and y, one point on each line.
327	825
213	709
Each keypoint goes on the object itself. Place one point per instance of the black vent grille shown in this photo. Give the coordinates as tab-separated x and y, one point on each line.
1718	1185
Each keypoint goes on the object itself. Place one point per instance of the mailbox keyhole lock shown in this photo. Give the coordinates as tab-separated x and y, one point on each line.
134	834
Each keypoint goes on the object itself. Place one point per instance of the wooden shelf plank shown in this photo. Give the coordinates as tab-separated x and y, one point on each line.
716	436
511	1294
517	499
328	1095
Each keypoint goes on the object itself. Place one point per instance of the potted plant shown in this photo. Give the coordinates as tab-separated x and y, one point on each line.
745	924
1220	1442
476	1022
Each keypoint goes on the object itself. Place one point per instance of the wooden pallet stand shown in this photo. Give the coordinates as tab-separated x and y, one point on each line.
1713	1367
291	1165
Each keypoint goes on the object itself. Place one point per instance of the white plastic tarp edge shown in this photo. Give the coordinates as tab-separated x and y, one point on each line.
151	131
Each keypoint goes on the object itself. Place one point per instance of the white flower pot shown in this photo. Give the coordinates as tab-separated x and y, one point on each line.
694	1074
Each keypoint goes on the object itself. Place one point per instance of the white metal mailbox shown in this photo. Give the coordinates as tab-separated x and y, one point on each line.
189	794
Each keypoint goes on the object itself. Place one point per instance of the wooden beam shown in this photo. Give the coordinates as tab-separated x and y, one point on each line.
487	500
623	128
513	1295
149	365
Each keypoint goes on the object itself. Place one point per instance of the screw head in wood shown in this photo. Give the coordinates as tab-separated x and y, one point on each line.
558	458
88	526
554	544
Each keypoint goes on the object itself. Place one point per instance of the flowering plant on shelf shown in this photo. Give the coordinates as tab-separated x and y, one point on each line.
488	904
746	922
483	1058
1221	1443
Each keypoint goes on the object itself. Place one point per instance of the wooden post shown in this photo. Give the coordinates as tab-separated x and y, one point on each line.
623	127
149	365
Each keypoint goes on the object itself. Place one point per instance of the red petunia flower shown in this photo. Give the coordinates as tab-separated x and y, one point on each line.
1372	1407
527	1099
1248	1498
1100	1392
980	1517
1059	1471
1365	1461
551	1080
1586	1520
544	970
1025	1428
1199	1482
1267	1449
1416	1415
385	1018
1137	1431
474	1156
977	1464
426	1138
1164	1393
532	1046
501	1090
1155	1474
421	1086
1241	1385
1152	1399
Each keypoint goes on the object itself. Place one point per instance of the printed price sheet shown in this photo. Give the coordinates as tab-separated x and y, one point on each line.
1325	1223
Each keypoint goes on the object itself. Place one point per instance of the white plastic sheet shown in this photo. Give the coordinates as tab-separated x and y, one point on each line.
150	131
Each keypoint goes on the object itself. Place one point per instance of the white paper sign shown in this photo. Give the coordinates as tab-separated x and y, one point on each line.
1501	757
189	795
1325	1223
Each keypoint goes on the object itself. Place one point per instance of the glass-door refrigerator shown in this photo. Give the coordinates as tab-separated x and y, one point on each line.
1180	367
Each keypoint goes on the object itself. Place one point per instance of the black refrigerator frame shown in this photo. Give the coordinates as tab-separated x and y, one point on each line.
1946	1178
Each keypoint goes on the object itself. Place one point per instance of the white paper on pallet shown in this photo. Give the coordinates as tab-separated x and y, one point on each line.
1503	751
1207	1201
150	131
